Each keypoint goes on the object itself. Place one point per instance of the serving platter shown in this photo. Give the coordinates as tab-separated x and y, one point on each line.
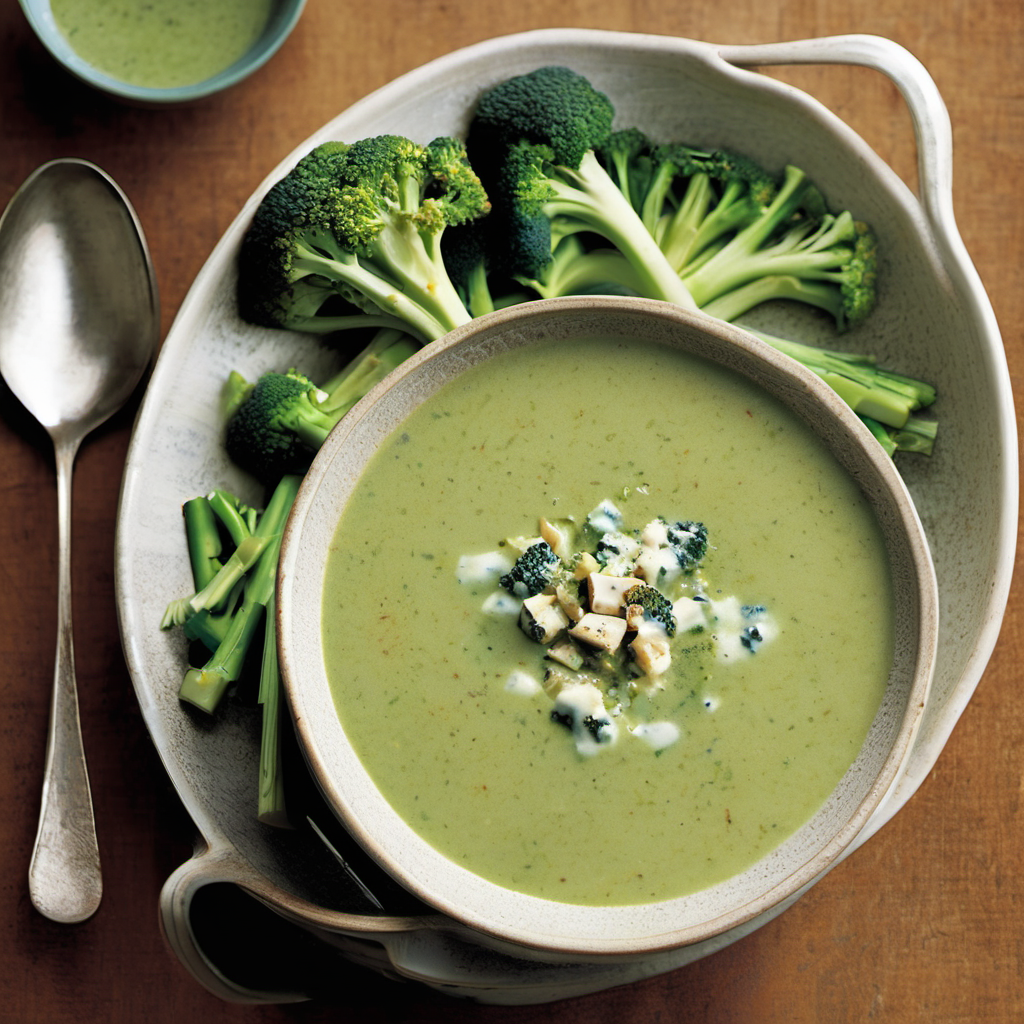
933	321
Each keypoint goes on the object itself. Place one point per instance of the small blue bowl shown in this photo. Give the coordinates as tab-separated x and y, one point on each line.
283	16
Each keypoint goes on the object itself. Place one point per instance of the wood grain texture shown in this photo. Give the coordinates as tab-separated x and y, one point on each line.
922	924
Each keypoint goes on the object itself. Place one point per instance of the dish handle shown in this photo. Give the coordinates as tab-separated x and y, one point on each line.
929	116
209	886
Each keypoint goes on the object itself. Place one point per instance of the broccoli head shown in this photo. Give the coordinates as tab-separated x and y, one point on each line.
532	572
533	141
653	606
351	237
552	106
274	427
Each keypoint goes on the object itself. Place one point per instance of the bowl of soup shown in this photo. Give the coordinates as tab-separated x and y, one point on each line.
604	626
163	51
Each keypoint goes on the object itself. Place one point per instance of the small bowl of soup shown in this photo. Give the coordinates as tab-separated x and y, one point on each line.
162	51
605	627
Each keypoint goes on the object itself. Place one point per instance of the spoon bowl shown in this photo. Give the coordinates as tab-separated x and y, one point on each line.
79	325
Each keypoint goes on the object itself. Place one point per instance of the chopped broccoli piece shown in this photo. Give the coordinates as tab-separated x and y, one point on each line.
360	223
653	605
271	806
532	572
916	435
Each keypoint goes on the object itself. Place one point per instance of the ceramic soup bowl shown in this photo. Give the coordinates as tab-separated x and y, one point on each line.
530	920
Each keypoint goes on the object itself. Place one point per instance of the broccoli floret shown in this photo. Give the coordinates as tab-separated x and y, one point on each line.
795	249
697	199
276	425
532	140
532	571
654	606
360	226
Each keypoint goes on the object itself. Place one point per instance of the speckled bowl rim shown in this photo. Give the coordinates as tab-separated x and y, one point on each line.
527	921
283	19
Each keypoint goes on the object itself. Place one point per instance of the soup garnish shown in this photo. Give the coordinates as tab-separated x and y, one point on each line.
608	606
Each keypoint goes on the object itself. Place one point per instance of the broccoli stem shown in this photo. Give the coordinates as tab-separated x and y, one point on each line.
210	628
604	209
916	435
735	303
868	389
271	808
389	348
573	271
204	544
742	258
403	284
688	236
204	687
234	515
241	560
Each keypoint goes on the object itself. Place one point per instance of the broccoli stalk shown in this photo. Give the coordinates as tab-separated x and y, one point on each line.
215	578
204	687
278	424
885	401
574	270
204	543
271	807
359	227
868	389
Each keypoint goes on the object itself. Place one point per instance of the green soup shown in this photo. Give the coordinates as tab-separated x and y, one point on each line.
419	671
161	43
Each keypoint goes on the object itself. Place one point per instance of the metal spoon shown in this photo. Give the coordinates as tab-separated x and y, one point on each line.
78	327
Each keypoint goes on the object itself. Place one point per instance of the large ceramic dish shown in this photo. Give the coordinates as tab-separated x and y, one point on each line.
936	323
524	923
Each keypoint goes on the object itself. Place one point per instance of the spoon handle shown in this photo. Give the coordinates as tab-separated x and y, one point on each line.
64	875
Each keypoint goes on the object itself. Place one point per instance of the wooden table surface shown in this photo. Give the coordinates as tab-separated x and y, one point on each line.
923	923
